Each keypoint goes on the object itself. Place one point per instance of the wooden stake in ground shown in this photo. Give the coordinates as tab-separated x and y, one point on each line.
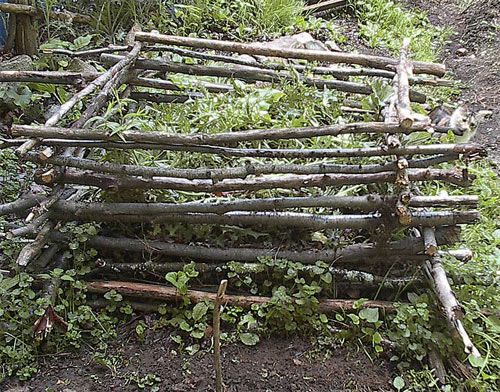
217	364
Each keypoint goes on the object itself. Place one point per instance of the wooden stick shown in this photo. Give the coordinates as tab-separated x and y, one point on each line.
151	291
368	253
431	247
164	98
167	85
66	16
217	175
251	75
216	331
404	71
348	276
222	138
77	78
50	77
325	5
31	250
450	306
22	204
428	149
100	81
367	203
340	73
87	52
70	103
114	183
287	219
311	55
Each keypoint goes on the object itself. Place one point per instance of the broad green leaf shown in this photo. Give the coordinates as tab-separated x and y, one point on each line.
199	311
249	339
369	314
398	383
477	362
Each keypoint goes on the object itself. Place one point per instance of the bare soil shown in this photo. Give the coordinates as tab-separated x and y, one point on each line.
276	364
472	55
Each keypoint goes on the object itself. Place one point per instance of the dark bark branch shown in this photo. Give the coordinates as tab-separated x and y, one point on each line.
65	16
22	204
222	138
167	85
367	253
340	73
311	55
352	277
249	75
430	149
364	203
50	77
163	98
88	52
217	175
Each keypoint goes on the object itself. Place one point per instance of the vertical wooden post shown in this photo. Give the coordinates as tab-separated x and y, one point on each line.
216	329
22	34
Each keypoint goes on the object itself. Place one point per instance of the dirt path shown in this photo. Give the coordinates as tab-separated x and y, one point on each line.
473	57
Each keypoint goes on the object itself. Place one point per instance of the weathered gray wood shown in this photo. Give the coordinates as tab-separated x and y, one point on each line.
312	55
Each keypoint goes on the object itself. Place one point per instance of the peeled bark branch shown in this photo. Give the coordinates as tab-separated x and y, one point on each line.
289	219
150	291
366	253
364	203
325	5
404	71
311	55
115	184
450	306
31	250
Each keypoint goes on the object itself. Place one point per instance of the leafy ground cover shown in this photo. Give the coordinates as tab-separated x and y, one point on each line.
116	342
